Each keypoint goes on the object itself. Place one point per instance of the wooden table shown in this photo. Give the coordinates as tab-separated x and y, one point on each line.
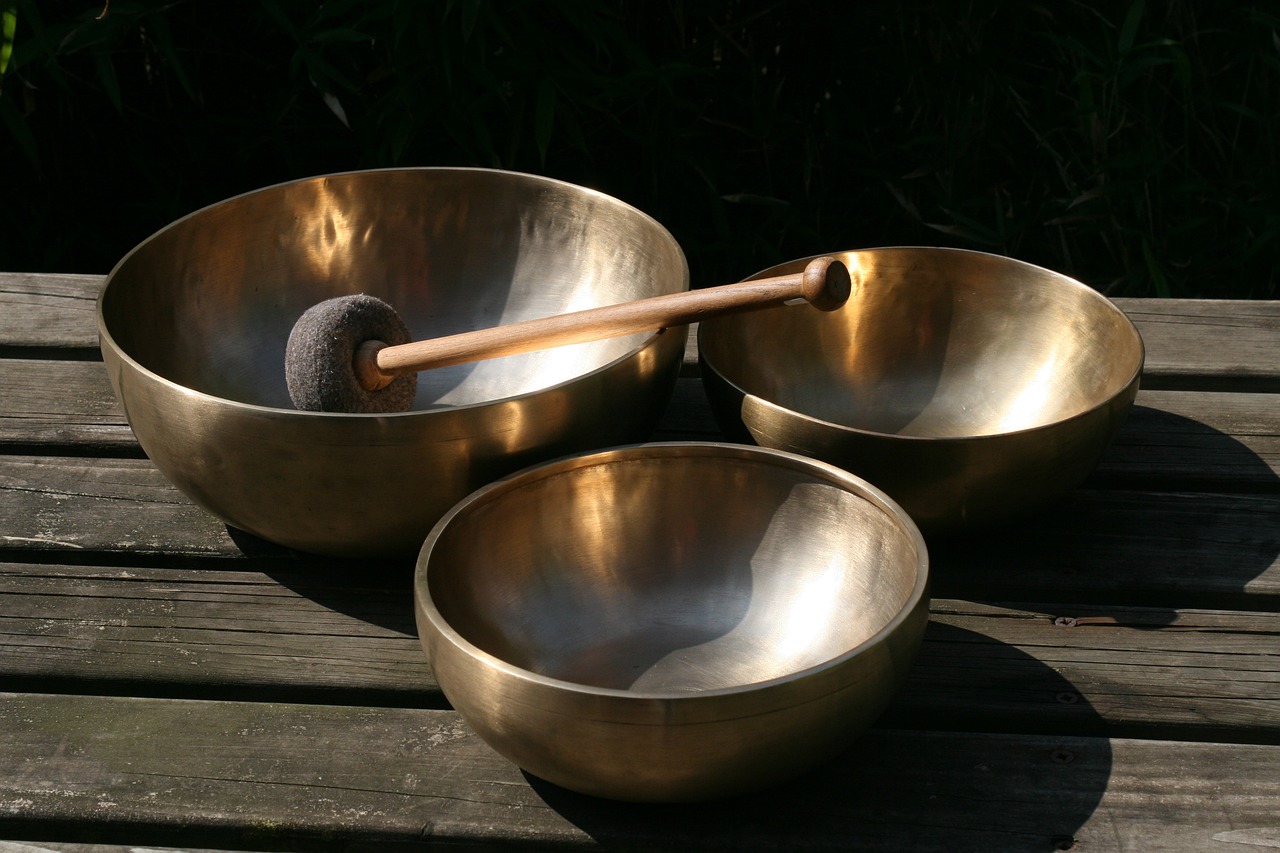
1104	677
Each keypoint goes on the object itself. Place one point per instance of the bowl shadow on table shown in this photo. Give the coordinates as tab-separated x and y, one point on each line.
1176	514
377	592
939	771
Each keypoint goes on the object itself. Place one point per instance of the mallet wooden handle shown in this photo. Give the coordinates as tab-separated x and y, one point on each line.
824	283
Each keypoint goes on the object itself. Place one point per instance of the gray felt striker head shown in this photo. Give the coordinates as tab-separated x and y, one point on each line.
319	362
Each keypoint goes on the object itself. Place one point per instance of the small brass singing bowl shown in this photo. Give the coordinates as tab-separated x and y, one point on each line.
672	622
195	320
971	388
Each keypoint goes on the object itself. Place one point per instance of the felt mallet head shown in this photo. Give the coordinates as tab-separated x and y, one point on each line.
320	357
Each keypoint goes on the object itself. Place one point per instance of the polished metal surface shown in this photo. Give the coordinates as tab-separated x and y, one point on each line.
194	323
672	621
972	388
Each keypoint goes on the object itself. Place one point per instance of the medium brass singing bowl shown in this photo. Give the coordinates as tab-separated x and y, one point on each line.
194	322
972	388
672	622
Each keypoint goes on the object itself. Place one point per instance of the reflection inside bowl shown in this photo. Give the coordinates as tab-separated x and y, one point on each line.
672	621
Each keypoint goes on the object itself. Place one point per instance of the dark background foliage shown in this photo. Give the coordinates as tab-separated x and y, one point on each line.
1135	145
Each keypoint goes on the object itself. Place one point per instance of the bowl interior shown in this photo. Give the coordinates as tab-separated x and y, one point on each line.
209	302
934	343
671	571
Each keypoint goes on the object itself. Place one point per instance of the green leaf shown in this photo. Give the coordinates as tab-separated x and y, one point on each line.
1137	69
273	9
8	27
107	76
340	9
340	34
470	14
1131	21
1244	110
323	72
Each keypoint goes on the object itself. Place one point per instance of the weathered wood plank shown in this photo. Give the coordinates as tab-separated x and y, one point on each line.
1173	439
317	635
172	772
1166	548
49	311
1183	515
66	406
1204	344
1203	441
115	505
302	634
44	846
61	405
1150	672
1125	547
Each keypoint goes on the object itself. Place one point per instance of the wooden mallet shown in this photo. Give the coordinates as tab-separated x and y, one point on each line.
354	354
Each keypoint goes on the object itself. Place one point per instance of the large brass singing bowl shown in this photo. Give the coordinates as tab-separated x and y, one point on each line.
970	387
194	322
672	622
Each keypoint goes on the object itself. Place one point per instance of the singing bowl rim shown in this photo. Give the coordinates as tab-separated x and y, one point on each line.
107	339
1089	293
633	452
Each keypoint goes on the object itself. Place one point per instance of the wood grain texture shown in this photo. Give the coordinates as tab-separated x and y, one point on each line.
71	504
173	772
1204	344
49	311
1123	671
1172	439
61	406
1104	676
48	846
1226	442
311	634
1175	548
301	634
